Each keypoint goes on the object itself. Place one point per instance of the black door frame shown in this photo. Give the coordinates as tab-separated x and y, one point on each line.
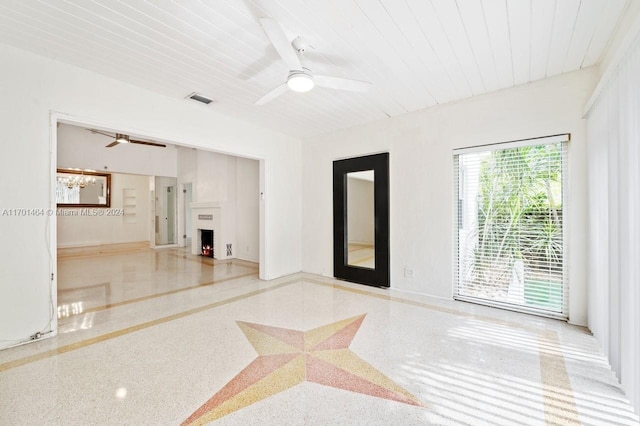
380	276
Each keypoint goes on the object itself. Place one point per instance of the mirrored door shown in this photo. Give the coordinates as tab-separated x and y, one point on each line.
166	204
361	219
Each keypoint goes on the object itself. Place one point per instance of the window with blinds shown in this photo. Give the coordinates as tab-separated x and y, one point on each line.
510	238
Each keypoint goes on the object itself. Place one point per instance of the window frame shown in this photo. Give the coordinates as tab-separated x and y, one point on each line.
458	217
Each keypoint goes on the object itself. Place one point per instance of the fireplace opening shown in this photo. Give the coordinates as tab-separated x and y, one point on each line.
206	249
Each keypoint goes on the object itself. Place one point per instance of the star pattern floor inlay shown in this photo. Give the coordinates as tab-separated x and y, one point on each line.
289	357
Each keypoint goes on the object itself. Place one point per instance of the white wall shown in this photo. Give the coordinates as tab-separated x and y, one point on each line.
31	89
216	179
92	230
80	148
421	177
247	210
187	165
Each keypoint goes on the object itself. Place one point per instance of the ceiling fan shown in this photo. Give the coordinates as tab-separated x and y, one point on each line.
301	78
121	138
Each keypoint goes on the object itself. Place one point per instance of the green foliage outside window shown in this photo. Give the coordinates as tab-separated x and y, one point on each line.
520	219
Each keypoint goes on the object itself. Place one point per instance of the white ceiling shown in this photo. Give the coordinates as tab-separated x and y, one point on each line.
417	53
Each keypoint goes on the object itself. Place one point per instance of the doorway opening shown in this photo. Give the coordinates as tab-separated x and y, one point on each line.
108	258
165	210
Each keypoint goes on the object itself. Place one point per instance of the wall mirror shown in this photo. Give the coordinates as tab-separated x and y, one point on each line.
82	188
361	219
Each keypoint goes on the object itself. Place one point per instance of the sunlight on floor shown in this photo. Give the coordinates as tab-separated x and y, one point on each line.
163	337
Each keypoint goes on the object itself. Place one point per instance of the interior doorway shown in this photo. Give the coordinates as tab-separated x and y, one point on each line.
166	210
106	259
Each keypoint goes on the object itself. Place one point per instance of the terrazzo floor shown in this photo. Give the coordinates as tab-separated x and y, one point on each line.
178	339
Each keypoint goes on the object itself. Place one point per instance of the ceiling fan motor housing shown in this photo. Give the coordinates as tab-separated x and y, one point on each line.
300	44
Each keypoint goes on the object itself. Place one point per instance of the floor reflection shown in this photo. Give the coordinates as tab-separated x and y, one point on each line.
89	282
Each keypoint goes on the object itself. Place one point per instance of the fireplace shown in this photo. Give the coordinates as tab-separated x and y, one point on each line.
207	243
207	217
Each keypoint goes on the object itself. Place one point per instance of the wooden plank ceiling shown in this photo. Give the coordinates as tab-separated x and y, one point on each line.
417	53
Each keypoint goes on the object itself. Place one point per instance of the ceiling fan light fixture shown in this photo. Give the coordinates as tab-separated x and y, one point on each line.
300	82
300	78
120	138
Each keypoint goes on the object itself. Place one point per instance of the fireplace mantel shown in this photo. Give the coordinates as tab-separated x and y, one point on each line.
207	205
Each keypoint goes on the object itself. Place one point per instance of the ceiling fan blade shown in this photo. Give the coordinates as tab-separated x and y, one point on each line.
279	40
326	58
272	94
112	144
100	133
159	145
341	83
266	61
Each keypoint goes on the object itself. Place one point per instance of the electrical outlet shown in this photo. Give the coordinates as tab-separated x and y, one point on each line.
408	272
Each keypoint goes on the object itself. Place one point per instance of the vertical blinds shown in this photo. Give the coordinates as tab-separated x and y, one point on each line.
510	233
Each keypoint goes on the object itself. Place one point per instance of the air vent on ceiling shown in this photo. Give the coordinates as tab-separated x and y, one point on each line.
200	98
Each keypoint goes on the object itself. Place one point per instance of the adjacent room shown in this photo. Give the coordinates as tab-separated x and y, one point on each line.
135	218
380	212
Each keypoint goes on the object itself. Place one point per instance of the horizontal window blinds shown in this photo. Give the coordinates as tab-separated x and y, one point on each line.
510	239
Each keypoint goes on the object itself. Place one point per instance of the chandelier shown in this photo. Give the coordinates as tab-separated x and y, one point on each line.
80	181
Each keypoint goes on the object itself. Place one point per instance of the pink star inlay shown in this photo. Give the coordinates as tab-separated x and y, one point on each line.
288	357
